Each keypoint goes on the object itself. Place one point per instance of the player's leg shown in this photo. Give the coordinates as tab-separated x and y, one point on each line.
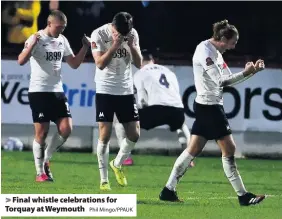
194	148
120	134
176	120
64	127
127	114
227	146
132	130
38	146
222	133
105	130
183	135
104	117
39	107
60	114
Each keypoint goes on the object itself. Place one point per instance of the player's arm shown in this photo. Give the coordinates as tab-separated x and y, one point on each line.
207	60
102	56
259	66
74	61
140	89
29	47
133	43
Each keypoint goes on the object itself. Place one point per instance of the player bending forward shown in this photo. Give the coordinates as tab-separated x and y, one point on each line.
114	47
159	101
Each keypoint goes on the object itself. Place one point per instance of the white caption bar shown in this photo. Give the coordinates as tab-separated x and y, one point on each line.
73	205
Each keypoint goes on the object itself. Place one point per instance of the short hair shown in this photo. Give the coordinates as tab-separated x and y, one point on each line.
123	22
224	29
147	56
58	15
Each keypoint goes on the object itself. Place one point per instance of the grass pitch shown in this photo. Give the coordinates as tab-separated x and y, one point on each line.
204	188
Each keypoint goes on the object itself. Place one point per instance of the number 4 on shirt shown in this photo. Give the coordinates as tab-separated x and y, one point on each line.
163	81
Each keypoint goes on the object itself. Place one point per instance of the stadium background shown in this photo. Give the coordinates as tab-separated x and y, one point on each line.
171	30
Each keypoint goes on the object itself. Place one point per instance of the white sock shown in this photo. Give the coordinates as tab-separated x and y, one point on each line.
186	132
231	172
183	134
120	133
103	159
56	142
38	154
178	170
124	151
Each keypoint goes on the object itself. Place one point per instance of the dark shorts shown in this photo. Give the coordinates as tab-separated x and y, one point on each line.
158	115
124	106
211	122
48	106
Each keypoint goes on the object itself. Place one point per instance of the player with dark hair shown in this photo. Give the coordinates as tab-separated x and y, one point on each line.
211	74
114	46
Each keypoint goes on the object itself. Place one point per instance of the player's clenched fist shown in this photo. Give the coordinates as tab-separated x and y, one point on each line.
259	66
250	68
86	40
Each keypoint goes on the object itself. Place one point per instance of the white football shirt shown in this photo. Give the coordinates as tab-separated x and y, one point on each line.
116	77
206	57
46	62
157	85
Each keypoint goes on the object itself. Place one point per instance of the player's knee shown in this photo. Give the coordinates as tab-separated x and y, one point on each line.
65	131
134	136
105	136
40	137
229	150
232	150
132	131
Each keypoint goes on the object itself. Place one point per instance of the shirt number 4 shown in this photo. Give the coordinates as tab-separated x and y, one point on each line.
163	81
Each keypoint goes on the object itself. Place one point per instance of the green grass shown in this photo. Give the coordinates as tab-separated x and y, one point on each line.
205	190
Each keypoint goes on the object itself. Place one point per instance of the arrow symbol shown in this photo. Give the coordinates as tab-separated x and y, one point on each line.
8	199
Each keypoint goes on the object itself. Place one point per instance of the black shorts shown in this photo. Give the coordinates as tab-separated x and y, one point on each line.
48	106
124	106
211	121
158	115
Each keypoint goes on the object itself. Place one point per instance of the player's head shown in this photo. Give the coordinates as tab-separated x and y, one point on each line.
147	57
56	23
226	35
122	23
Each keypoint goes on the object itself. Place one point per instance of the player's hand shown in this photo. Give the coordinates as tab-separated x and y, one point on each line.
130	40
86	41
35	39
250	68
259	66
117	40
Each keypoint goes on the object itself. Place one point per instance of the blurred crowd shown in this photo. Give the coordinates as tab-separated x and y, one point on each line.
171	29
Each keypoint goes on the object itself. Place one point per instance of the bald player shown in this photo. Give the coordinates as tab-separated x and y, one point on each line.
46	50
